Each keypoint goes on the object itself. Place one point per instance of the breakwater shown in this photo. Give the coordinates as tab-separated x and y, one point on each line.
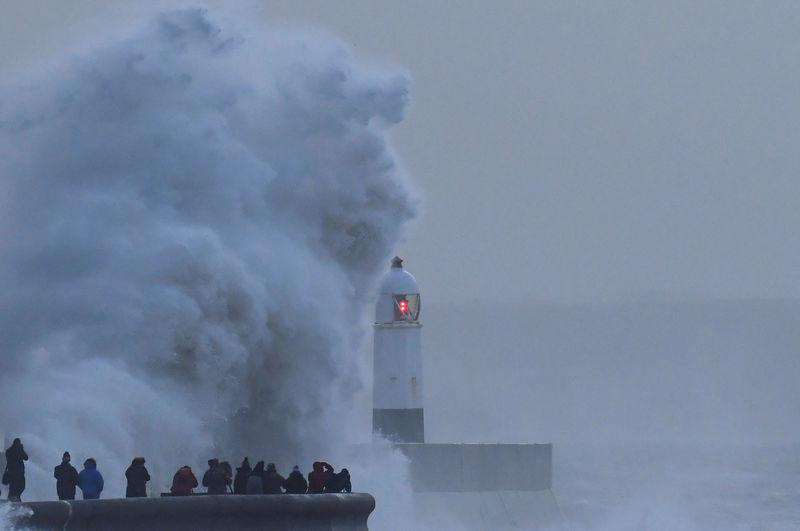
317	512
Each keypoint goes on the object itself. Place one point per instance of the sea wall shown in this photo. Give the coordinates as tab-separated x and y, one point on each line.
483	486
479	467
318	512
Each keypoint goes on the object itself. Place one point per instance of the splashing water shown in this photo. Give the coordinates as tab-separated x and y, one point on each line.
192	220
13	512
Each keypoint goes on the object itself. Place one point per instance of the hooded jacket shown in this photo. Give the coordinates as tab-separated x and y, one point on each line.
216	478
14	475
90	481
15	458
318	476
272	480
338	482
138	477
295	483
183	482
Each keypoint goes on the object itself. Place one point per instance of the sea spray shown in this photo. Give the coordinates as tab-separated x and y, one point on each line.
10	513
193	222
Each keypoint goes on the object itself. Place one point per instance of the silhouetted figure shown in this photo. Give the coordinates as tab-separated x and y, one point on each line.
183	481
138	477
66	478
90	481
255	483
14	476
216	478
240	481
272	480
338	482
295	483
318	476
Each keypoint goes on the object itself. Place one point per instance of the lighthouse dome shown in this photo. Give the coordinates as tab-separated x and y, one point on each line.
398	299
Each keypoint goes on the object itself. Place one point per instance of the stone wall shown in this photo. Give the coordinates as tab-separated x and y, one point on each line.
479	467
316	512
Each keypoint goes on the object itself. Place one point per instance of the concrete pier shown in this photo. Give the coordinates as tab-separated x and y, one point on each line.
479	467
314	512
483	486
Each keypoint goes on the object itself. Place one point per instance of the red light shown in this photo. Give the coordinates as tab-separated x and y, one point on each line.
403	305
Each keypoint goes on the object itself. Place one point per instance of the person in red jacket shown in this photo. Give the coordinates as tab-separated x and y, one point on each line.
318	477
183	482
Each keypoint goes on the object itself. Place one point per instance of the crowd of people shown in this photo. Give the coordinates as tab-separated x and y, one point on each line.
218	479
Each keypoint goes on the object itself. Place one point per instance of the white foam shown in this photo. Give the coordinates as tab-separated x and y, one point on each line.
193	220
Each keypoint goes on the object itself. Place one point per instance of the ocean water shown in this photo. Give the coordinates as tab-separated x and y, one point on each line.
691	487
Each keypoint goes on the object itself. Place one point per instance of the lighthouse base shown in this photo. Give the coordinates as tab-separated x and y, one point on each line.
399	425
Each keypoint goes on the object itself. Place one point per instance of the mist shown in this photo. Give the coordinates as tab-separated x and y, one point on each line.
640	371
664	413
194	216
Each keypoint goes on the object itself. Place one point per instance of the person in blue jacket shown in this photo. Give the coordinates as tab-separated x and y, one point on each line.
90	481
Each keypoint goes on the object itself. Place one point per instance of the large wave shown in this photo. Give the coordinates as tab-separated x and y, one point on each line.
192	220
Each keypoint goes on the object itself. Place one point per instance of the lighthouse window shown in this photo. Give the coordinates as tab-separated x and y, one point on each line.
406	306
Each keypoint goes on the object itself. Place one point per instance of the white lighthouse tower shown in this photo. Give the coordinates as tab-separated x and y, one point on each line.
397	410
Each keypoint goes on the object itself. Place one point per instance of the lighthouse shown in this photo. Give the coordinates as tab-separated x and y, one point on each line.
397	407
479	486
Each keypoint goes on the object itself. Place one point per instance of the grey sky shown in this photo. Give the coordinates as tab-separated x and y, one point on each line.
568	151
